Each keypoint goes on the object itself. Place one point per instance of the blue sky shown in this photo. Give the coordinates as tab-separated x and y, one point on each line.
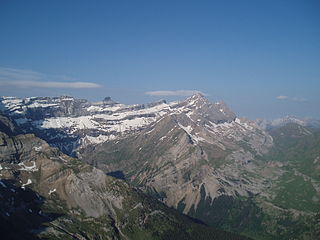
261	57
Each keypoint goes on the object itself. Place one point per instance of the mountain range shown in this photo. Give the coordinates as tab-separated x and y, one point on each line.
128	170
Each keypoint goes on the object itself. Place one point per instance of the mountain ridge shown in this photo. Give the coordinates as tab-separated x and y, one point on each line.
77	122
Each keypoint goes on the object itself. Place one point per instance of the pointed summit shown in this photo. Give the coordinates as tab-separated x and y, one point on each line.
202	108
197	99
198	95
108	101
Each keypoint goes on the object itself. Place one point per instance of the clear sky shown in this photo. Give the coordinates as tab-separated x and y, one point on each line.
261	57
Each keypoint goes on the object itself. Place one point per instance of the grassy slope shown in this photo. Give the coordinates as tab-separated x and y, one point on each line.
298	148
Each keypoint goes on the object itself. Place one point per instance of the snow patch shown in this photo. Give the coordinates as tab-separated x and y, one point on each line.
37	149
150	131
104	109
189	115
187	129
32	168
52	191
194	138
42	105
25	184
162	138
99	139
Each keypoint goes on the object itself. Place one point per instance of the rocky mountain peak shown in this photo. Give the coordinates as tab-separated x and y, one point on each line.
198	99
200	107
108	101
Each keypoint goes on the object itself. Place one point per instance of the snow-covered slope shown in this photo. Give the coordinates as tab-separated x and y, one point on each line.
70	124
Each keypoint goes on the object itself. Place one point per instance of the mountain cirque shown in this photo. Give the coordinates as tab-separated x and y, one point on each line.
195	156
70	123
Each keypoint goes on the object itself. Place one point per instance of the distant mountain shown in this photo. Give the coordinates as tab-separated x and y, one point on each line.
279	122
45	194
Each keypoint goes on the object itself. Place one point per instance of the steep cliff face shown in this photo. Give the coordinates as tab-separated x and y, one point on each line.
47	194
